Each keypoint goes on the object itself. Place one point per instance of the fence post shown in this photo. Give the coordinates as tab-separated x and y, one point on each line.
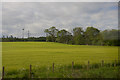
72	65
53	67
102	63
30	71
88	65
3	72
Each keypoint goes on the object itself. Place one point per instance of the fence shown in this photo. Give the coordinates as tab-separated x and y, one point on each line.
53	68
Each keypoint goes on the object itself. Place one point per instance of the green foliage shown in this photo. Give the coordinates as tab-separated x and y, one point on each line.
111	37
14	39
78	34
64	36
51	34
91	36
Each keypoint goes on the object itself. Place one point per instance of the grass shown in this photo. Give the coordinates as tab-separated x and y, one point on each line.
66	72
19	55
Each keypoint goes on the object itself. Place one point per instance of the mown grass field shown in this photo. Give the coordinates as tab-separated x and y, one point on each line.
19	55
22	54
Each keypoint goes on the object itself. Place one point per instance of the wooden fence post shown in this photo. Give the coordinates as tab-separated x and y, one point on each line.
30	71
102	63
3	72
72	65
88	65
53	67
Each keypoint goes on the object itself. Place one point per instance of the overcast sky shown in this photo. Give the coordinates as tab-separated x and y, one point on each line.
37	16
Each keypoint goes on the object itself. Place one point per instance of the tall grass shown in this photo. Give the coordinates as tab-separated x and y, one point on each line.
65	71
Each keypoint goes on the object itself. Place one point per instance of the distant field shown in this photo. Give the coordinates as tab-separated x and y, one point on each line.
17	55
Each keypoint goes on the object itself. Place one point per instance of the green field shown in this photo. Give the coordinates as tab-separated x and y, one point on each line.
17	55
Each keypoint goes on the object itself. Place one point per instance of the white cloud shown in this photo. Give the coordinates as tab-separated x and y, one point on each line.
37	16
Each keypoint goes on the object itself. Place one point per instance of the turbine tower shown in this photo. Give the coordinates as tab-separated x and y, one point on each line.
23	33
28	33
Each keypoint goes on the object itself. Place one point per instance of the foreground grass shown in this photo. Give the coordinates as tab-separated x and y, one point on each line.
79	71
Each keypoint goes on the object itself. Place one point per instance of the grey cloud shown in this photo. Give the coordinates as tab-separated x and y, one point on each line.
37	16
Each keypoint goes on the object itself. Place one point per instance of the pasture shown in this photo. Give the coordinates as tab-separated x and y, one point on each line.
17	55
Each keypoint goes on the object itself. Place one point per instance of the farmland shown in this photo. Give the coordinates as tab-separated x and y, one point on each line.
19	55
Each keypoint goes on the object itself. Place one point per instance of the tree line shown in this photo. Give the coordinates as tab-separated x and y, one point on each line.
91	36
15	39
78	36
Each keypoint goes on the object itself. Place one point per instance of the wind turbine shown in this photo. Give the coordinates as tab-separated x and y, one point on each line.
23	33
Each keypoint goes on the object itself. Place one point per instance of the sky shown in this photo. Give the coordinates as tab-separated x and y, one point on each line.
59	0
38	16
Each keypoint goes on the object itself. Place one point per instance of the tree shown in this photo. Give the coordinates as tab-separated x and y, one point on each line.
78	35
91	35
110	37
11	36
51	34
64	36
